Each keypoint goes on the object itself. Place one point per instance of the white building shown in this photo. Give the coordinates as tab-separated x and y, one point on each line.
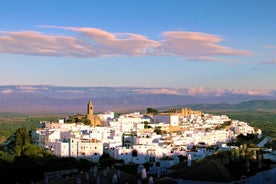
106	116
87	149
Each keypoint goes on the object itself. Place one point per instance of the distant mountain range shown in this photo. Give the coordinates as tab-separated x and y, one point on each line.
56	99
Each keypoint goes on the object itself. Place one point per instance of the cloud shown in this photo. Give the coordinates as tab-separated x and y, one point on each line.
92	42
118	43
71	91
271	61
167	91
204	92
36	43
197	46
27	89
252	92
7	91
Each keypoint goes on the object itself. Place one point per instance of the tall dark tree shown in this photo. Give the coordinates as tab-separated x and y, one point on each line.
22	140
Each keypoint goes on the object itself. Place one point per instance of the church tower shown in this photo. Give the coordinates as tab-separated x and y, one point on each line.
94	119
90	109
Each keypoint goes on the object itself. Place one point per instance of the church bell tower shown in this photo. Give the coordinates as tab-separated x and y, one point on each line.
90	109
94	119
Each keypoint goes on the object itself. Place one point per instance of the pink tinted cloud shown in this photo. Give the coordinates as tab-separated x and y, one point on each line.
203	91
7	91
71	91
92	42
253	92
36	43
197	46
168	91
27	89
117	43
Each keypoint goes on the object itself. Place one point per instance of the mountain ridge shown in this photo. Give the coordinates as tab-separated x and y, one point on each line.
55	99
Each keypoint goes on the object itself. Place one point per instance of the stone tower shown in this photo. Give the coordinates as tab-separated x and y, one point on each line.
90	109
94	119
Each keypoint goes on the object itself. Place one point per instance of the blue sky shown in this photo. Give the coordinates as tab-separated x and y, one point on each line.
217	44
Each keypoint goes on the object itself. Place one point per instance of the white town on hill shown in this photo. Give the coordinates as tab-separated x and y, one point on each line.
158	139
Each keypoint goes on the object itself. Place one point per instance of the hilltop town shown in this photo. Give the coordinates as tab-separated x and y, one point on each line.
160	140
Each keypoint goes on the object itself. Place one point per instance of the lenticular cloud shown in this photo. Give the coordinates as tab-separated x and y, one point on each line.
92	42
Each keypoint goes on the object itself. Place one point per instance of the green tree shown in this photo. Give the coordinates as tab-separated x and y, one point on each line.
146	125
151	111
158	130
85	121
33	151
22	140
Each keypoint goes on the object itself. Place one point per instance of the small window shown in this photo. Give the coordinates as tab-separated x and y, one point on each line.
134	153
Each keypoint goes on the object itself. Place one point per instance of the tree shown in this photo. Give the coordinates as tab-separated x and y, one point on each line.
158	130
22	140
151	111
146	125
33	151
85	121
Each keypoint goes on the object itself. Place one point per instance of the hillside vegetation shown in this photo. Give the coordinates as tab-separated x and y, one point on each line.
253	105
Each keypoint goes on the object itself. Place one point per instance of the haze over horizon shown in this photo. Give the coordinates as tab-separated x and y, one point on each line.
198	45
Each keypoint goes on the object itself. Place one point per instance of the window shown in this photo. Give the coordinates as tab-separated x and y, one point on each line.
134	153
